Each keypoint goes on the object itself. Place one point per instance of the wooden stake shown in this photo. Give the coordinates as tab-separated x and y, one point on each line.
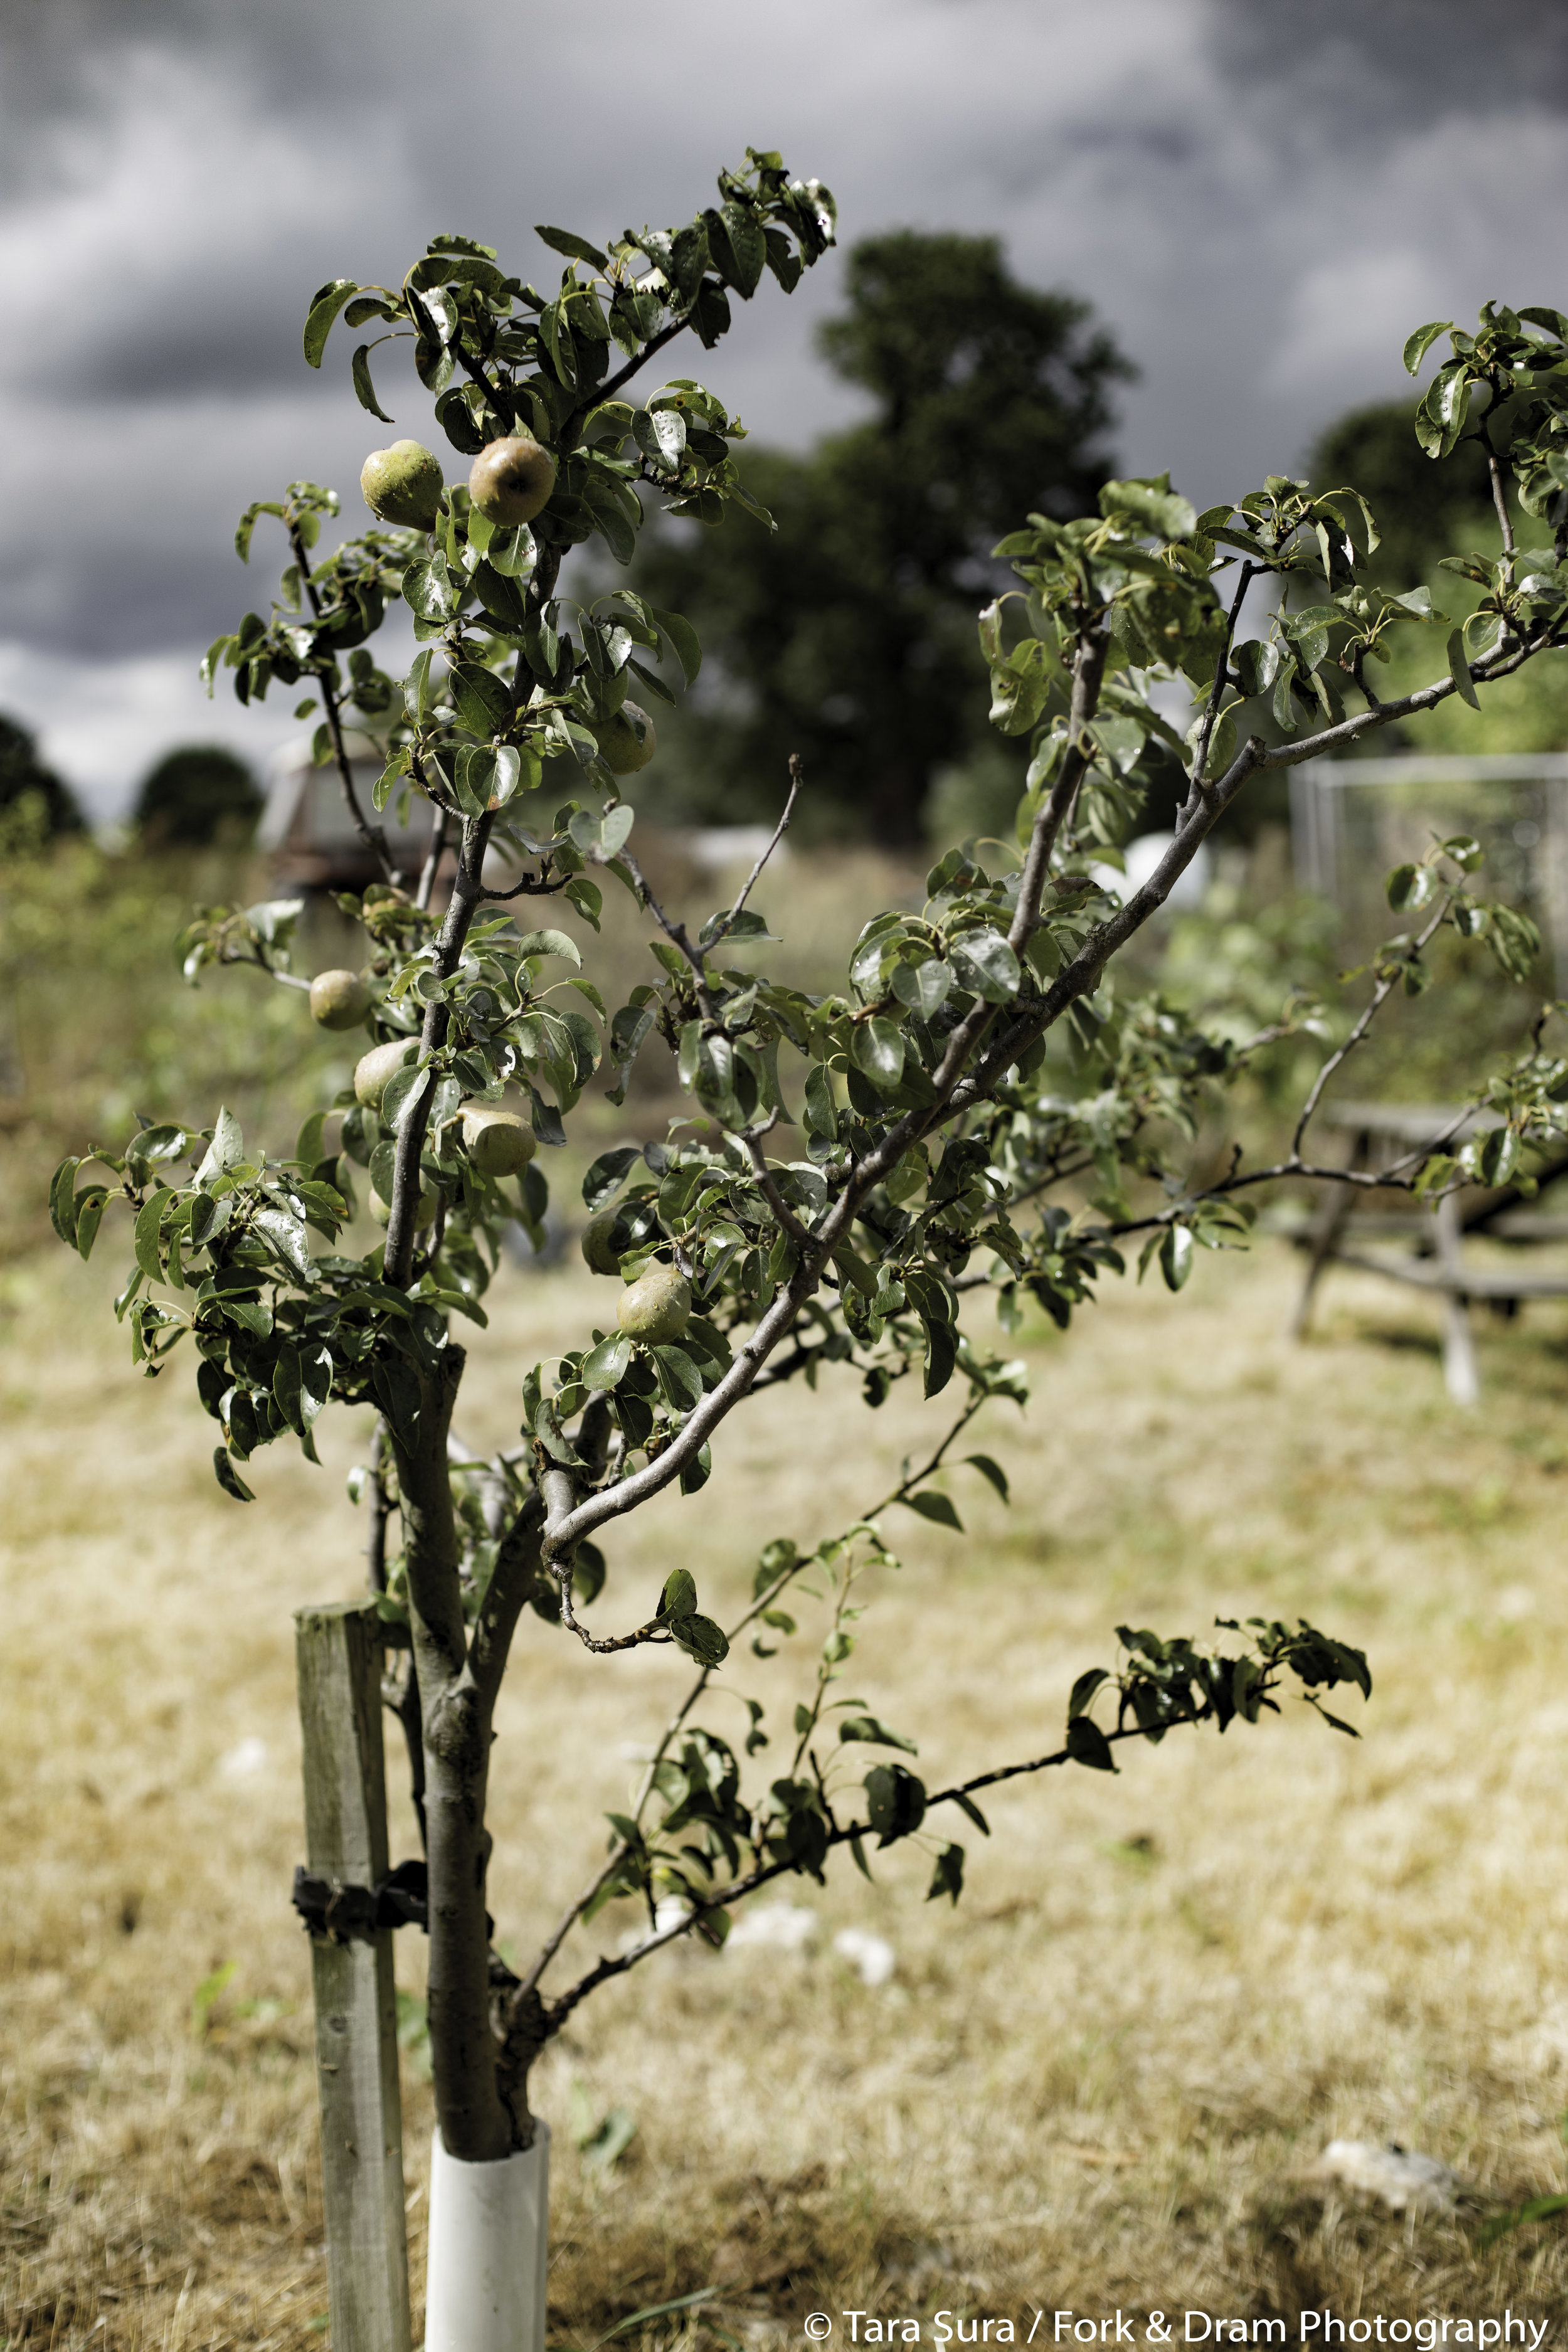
339	1651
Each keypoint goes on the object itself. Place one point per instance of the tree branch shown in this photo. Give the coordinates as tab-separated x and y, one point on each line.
1088	671
1374	1007
372	836
839	1834
1249	571
796	776
398	1257
608	390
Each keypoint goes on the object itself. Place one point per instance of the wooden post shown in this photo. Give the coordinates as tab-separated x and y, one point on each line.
339	1651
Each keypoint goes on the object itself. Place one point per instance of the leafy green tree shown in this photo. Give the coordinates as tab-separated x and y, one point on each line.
198	793
981	1114
23	775
847	633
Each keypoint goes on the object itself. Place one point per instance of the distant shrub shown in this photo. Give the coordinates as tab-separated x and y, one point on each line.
199	793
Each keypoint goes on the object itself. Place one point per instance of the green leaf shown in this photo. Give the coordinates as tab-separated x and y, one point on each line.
62	1202
608	1174
947	1879
364	391
512	553
942	1355
877	1047
226	1150
678	1375
1417	345
1087	1744
923	987
683	639
1459	669
228	1477
550	943
149	1222
821	1112
1084	1689
1409	888
1176	1256
679	1598
605	1367
1539	2209
896	1801
1153	504
875	1734
990	1470
323	310
382	790
701	1639
985	964
660	435
934	1507
574	247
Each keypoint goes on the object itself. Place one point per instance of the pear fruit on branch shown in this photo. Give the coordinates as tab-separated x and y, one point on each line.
656	1307
499	1142
627	742
339	1000
372	1070
403	485
598	1243
510	480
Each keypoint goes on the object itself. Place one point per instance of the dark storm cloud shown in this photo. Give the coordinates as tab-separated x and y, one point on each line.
1259	198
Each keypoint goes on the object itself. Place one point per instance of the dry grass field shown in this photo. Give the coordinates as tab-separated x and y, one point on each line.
1100	2083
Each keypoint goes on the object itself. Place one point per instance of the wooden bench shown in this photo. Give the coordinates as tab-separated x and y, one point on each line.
1432	1258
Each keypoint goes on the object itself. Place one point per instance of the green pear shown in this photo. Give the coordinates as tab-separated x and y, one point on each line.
499	1142
598	1243
403	485
339	1000
627	742
656	1307
424	1214
372	1070
510	480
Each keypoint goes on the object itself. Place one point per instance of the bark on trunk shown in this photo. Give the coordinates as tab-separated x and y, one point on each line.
476	2127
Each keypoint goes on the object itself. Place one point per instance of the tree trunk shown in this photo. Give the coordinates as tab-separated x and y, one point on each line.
475	2124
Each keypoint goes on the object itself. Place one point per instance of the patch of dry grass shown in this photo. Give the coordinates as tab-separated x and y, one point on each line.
1097	2085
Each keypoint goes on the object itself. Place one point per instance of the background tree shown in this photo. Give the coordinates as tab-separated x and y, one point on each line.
849	633
22	774
198	793
980	1110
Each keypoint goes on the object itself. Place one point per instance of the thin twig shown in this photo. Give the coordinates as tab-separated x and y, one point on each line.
795	780
432	859
560	2011
760	1601
1221	679
1369	1013
372	836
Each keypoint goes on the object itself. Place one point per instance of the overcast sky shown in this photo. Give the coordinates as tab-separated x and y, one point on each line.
1260	197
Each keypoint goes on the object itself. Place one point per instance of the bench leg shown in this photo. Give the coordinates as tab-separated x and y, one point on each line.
1328	1225
1459	1372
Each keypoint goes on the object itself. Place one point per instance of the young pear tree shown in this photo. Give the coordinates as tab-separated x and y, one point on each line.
851	1167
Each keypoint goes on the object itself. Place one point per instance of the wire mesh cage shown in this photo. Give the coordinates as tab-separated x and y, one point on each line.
1353	820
